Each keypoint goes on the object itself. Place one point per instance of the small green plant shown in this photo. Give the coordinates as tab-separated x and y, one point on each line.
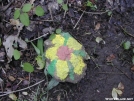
22	14
64	6
91	5
40	53
27	67
16	54
58	31
127	45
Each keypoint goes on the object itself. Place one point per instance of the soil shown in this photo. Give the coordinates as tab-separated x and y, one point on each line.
109	65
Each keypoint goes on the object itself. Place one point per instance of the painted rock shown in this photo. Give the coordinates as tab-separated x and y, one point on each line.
65	58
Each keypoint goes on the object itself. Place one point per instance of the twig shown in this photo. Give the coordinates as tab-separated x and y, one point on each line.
109	73
102	12
122	72
50	10
6	93
65	11
6	7
78	20
23	4
44	35
126	32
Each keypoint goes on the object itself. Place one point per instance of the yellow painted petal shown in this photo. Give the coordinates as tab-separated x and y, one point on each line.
77	63
73	44
62	69
58	40
51	53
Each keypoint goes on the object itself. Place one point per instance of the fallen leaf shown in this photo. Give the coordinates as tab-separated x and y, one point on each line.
110	58
132	68
8	44
119	92
24	93
98	39
32	2
120	86
14	22
11	78
114	93
13	97
15	87
25	83
52	6
97	26
59	97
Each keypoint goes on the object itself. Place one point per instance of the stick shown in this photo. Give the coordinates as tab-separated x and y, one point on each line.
65	11
102	12
44	35
6	93
127	32
109	73
122	72
79	20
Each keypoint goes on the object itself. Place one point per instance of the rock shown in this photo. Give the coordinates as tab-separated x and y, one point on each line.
65	58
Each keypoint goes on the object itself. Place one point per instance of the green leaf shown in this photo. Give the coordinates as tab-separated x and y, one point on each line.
16	13
133	59
59	1
127	45
28	67
65	7
40	45
16	54
52	83
24	18
58	31
26	7
89	4
39	11
109	13
36	49
52	36
40	62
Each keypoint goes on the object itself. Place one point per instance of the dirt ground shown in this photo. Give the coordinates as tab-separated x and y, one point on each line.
109	65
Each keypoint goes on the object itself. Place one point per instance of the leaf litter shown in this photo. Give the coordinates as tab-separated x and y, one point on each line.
118	91
8	44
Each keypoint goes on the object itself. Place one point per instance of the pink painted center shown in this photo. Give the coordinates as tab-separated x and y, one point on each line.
64	53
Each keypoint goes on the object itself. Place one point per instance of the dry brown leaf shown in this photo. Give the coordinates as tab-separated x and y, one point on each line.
120	86
14	22
11	78
132	68
110	58
8	44
32	1
13	97
97	26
